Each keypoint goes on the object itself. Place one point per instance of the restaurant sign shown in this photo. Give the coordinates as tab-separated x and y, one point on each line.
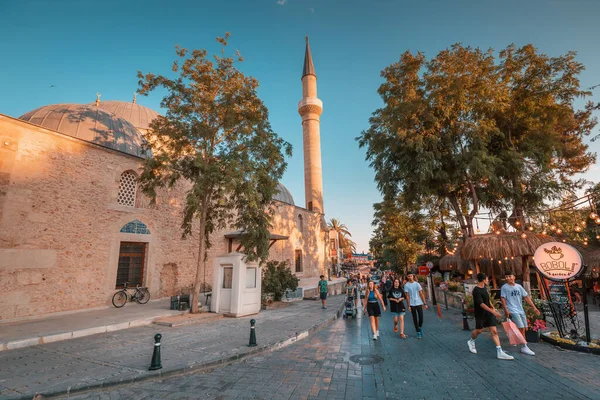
558	261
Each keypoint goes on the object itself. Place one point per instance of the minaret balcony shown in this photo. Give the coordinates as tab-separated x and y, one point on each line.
310	102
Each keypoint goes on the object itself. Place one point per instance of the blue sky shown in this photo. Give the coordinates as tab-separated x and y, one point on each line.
84	47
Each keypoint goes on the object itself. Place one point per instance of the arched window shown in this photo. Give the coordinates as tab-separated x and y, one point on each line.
127	189
300	223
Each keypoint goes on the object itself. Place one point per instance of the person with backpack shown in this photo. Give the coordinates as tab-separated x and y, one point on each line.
323	291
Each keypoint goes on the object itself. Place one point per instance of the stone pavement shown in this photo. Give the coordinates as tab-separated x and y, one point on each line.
31	332
124	356
343	362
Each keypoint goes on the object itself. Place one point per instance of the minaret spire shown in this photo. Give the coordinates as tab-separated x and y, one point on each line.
309	68
310	109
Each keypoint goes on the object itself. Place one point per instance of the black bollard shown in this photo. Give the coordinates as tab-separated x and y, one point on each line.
465	320
156	363
252	334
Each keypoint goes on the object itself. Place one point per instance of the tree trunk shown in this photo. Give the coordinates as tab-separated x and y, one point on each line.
201	262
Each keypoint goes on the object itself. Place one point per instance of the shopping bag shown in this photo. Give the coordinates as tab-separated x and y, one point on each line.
513	333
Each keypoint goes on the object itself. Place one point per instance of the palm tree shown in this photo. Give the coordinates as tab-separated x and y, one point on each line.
344	235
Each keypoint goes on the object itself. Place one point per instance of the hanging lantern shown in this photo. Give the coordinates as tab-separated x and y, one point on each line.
552	227
593	215
544	232
530	228
523	235
577	228
585	243
559	231
583	223
597	220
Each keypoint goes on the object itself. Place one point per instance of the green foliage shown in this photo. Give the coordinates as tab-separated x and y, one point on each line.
399	235
466	129
277	278
215	140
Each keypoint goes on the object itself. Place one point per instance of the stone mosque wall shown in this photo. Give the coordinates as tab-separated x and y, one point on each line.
61	227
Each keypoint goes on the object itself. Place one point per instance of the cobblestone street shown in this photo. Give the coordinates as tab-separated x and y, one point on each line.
343	362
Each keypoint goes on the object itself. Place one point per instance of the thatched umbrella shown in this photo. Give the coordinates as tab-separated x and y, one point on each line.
454	262
507	245
591	256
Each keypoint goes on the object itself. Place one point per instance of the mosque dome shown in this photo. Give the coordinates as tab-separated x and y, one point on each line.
283	195
139	116
89	123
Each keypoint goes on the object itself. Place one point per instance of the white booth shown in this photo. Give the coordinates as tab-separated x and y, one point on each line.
236	286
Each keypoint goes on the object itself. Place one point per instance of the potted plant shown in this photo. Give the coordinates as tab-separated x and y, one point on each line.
533	332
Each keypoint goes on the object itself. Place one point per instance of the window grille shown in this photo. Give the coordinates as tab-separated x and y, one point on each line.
135	226
127	189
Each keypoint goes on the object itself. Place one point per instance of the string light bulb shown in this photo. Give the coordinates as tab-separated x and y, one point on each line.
577	228
583	223
530	228
497	232
597	236
593	215
597	220
544	232
559	231
585	243
523	235
564	240
552	227
517	223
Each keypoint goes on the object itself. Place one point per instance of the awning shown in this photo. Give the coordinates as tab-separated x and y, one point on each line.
239	233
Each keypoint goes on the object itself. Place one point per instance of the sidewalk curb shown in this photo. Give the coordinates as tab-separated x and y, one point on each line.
56	337
174	371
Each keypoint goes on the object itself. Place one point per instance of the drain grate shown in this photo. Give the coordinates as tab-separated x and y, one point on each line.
366	360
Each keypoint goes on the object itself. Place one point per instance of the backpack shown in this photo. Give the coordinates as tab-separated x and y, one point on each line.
388	285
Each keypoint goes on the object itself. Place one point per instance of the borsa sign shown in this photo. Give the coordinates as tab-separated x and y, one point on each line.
558	261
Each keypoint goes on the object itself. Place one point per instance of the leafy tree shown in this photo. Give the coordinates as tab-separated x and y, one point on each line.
470	130
344	235
215	137
400	235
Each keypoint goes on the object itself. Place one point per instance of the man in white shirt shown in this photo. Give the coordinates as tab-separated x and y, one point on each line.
416	301
512	301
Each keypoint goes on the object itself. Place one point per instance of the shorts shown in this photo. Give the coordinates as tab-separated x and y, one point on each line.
323	295
373	309
519	319
362	296
399	314
485	321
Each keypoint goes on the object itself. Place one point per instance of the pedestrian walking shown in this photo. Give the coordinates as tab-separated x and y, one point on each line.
485	317
382	290
371	306
363	289
512	295
416	302
323	292
396	297
388	287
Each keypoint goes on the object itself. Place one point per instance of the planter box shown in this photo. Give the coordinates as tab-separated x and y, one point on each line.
532	337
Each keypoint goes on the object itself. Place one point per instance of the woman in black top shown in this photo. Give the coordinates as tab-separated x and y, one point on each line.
396	297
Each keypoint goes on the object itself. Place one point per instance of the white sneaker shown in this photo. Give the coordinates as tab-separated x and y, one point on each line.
472	348
374	337
503	356
377	333
527	350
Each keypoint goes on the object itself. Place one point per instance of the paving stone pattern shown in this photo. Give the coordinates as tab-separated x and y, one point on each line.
124	356
437	367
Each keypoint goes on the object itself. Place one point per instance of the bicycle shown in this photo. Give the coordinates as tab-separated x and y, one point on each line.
141	295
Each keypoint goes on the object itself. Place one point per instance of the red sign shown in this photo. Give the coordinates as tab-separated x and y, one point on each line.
423	270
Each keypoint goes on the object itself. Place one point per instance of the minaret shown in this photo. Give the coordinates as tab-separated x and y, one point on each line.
310	109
